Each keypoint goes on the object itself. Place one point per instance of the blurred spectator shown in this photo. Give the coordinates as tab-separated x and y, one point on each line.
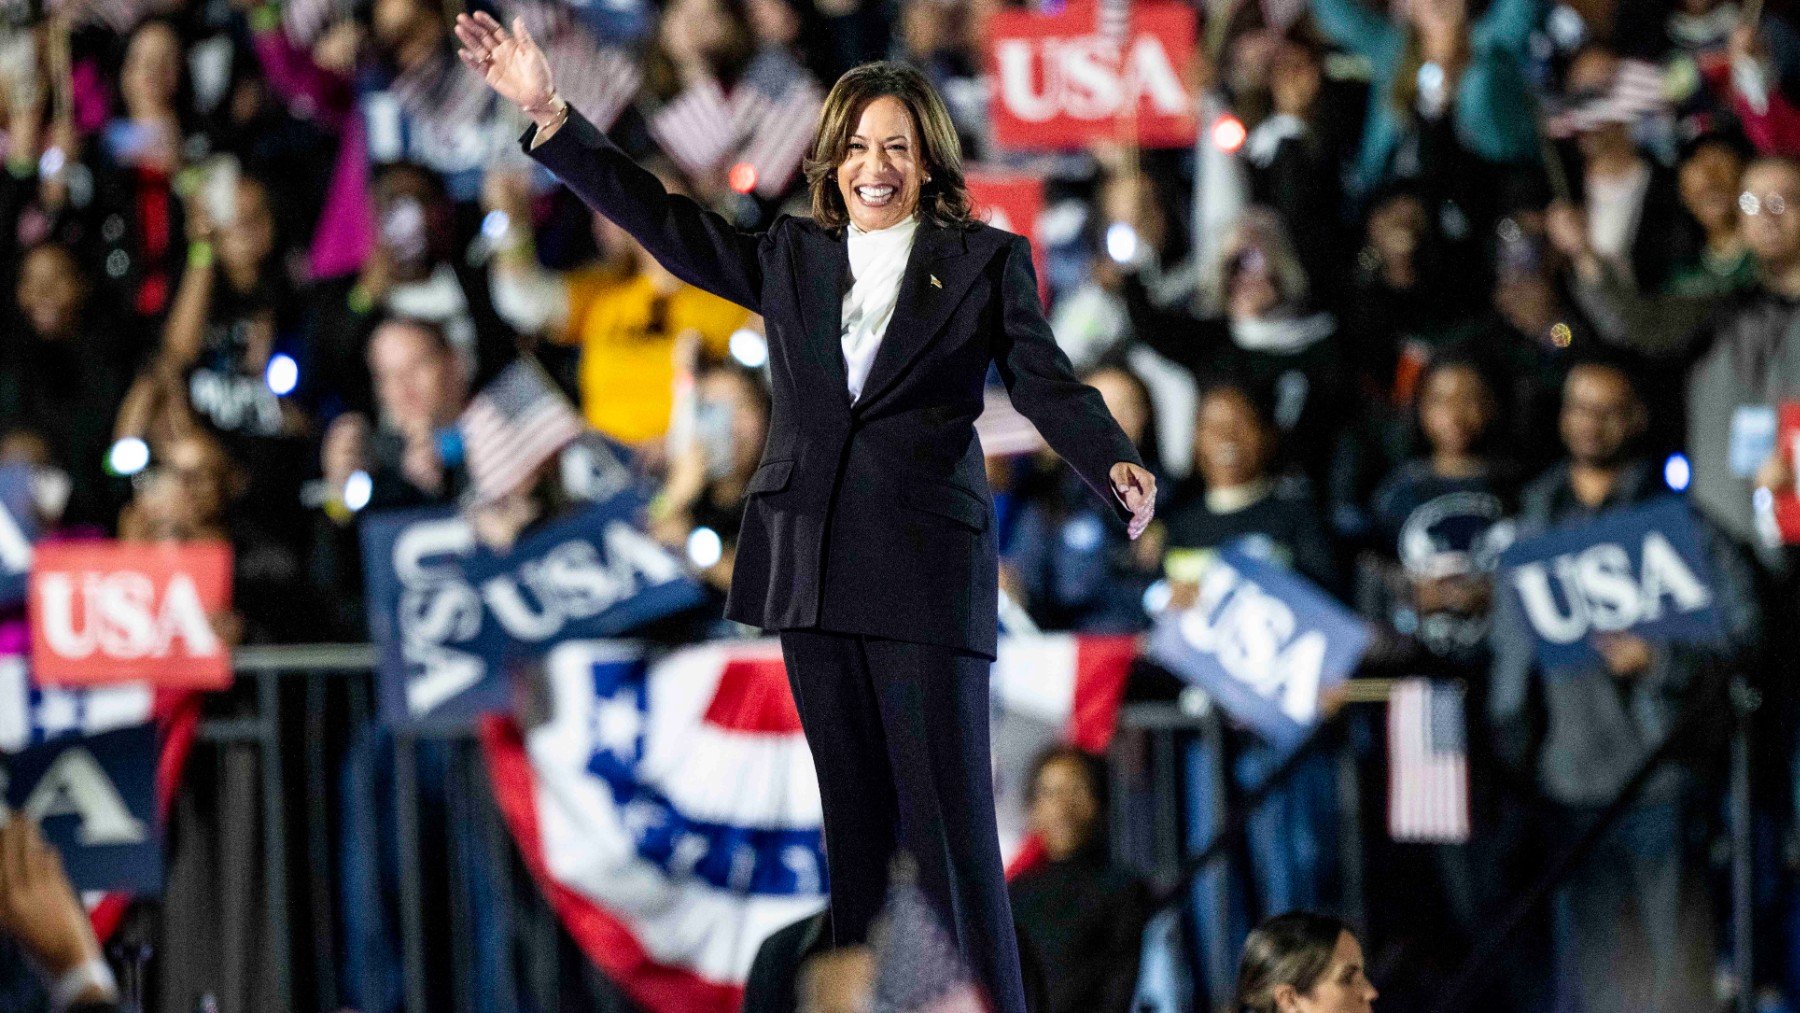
228	344
1711	178
409	456
1439	518
39	909
1740	345
727	91
64	374
1433	64
415	271
1271	340
1240	502
191	491
141	151
1295	153
1634	220
1631	922
701	505
50	484
48	189
1302	962
943	38
1240	497
1067	564
626	313
1405	304
412	454
1083	916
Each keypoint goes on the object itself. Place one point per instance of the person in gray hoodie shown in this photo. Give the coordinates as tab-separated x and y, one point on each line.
1631	923
1742	347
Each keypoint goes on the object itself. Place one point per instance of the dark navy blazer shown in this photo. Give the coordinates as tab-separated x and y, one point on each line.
872	518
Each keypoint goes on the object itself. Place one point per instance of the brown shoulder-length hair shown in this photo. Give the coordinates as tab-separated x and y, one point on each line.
945	199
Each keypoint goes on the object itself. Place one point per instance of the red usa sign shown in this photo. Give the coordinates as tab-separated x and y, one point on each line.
113	612
1060	84
1012	201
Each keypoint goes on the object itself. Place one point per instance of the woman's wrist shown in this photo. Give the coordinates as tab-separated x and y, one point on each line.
548	113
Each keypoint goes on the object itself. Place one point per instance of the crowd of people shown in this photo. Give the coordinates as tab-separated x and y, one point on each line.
1469	271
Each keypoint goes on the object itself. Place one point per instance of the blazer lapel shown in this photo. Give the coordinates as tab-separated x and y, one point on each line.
823	270
930	289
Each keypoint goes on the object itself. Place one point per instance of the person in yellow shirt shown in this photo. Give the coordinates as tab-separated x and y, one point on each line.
625	312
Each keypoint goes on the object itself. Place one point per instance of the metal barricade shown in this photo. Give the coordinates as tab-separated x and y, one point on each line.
298	710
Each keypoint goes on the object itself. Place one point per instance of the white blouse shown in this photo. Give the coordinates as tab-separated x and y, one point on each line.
877	261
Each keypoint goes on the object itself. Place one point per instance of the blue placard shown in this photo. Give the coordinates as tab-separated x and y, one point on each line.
1263	642
449	617
96	799
18	530
592	575
423	617
1639	570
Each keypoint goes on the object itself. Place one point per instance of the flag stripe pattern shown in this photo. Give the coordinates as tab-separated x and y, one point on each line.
784	136
519	421
1428	768
1114	22
697	127
669	808
1637	91
1002	430
917	967
706	132
598	79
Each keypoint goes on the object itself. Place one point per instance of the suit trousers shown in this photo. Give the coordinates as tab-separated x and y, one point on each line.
899	736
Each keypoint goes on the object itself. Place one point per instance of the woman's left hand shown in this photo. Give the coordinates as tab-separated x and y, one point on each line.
1136	488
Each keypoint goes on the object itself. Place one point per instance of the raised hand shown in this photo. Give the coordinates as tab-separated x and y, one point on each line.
510	62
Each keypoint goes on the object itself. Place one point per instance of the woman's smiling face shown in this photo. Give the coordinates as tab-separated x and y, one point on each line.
883	169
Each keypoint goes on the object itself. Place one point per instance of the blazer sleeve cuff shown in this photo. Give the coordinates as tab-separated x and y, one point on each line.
575	135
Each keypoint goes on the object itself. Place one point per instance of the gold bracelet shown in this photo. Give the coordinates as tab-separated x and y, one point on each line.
562	112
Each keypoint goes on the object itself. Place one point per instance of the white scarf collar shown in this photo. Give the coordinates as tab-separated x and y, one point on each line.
1281	334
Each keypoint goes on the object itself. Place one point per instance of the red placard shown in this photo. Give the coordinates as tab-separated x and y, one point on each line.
106	612
1012	201
1059	84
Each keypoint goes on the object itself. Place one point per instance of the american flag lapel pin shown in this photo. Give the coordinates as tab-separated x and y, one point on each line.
936	283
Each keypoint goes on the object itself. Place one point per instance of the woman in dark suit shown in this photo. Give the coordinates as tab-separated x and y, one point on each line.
868	538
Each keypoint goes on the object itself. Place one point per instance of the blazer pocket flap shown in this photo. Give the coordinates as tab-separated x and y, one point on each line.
772	476
947	500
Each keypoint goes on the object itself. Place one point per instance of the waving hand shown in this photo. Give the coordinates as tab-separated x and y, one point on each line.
510	62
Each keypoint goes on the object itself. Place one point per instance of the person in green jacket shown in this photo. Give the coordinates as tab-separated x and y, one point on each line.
1434	63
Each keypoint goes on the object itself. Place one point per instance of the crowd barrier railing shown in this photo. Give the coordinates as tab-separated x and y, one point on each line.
302	710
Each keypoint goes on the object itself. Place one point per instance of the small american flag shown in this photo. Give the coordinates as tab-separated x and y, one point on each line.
1428	764
917	967
783	136
305	21
120	16
698	127
1113	23
1637	91
705	131
517	422
598	79
1002	431
440	93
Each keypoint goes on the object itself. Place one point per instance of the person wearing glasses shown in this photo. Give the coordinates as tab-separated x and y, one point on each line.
869	540
1741	350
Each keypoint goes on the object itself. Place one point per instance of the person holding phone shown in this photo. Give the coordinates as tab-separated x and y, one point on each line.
711	468
868	538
